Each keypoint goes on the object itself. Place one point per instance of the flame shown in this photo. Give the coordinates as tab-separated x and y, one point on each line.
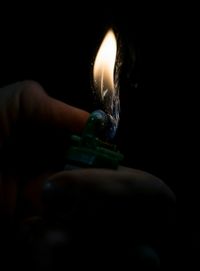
105	75
104	64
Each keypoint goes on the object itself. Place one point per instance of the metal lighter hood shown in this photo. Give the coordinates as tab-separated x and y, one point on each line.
89	150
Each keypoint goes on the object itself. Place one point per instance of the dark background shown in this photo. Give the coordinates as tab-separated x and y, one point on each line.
56	45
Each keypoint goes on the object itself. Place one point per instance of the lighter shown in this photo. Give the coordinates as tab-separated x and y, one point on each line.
89	150
92	148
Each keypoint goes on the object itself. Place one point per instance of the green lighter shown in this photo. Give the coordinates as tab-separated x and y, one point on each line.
88	150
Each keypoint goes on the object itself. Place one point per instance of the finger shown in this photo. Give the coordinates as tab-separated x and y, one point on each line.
29	101
37	104
128	200
124	179
138	187
35	127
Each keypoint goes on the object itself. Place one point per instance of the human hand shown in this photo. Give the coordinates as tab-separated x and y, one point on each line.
33	141
34	133
34	136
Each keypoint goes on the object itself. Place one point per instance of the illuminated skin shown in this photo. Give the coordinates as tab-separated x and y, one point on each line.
34	136
34	130
31	122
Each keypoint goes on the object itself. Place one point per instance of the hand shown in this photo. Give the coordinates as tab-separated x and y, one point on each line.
34	133
34	136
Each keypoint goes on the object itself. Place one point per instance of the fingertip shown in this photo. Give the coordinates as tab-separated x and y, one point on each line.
67	116
36	104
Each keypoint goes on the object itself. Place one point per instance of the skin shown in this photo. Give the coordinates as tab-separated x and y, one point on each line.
34	133
99	204
27	114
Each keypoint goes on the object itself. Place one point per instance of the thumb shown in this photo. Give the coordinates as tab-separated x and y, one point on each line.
38	106
34	126
33	129
29	102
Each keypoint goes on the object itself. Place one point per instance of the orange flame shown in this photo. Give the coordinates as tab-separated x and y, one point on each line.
104	65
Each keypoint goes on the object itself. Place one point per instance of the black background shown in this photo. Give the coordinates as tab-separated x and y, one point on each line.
56	45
